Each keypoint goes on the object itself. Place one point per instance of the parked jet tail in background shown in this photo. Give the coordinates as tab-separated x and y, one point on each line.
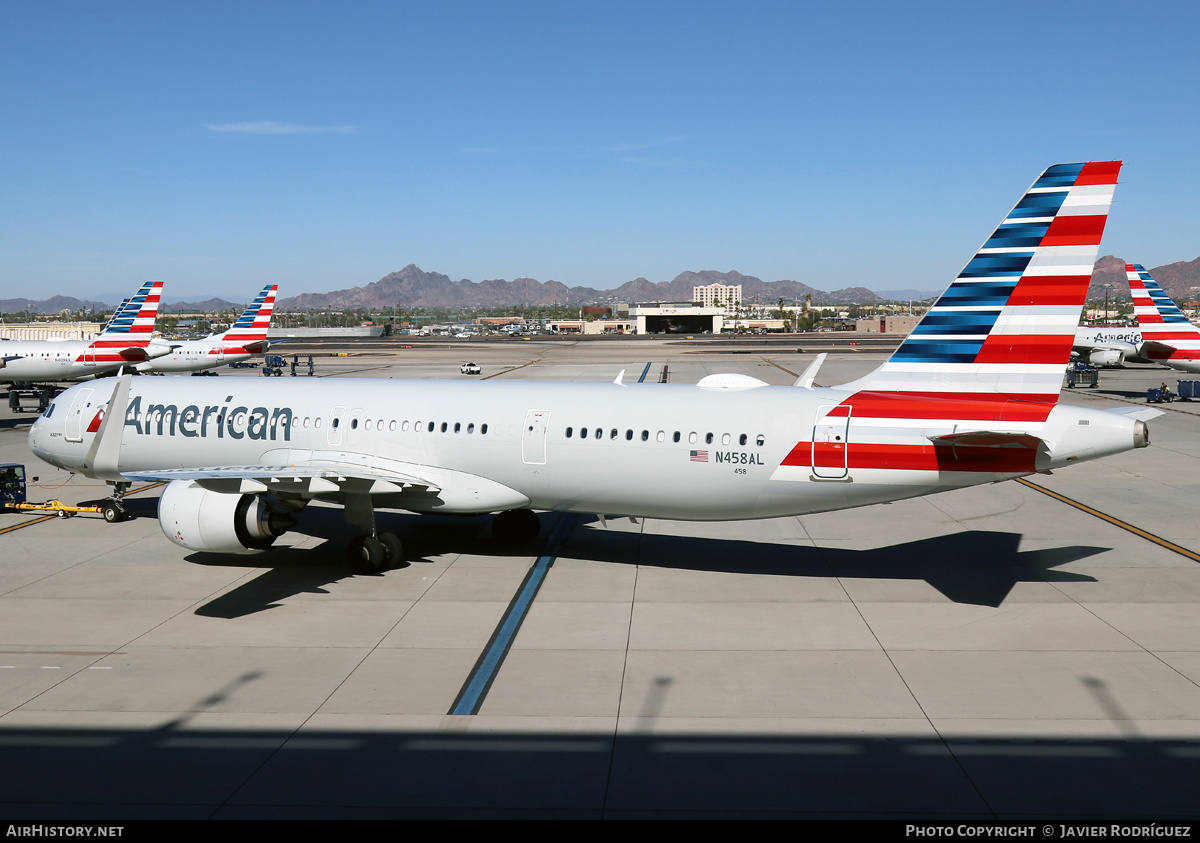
247	337
127	339
1167	335
970	397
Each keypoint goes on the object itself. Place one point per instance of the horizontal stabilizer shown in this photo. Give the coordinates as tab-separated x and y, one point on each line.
988	439
805	381
1153	350
1139	413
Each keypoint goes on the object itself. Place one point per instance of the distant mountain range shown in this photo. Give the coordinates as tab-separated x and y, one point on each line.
414	287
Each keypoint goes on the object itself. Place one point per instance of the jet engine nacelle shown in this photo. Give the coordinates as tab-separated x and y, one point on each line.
1106	357
199	519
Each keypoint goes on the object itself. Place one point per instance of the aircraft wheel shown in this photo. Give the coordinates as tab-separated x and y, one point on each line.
366	555
393	549
516	526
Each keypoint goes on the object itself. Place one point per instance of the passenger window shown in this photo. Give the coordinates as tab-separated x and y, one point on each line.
628	435
662	436
482	429
613	434
443	427
471	427
337	422
645	435
676	438
569	432
742	439
429	429
724	438
708	437
760	440
583	433
392	425
599	433
457	427
692	438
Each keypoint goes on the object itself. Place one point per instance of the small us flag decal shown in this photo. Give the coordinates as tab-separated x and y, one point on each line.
699	456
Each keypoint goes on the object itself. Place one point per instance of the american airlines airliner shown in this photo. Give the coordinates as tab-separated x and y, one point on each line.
125	341
970	397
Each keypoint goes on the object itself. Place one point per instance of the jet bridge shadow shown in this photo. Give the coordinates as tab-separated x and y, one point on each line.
971	567
184	770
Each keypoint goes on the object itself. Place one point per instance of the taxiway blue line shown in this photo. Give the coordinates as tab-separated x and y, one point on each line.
644	372
473	692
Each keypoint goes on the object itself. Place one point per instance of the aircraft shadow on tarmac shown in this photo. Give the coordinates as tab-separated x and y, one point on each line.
971	567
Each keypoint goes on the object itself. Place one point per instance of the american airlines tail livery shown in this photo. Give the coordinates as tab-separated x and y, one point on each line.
970	397
1167	335
247	337
126	340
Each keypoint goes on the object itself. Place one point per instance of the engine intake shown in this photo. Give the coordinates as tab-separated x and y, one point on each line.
199	519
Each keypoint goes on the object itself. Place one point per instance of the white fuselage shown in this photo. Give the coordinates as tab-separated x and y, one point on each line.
195	356
1126	340
66	360
669	451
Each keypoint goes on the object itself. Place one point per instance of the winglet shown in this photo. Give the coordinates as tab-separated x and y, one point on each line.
105	453
805	381
620	378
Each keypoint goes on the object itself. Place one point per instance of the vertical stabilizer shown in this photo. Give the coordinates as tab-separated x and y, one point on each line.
1167	335
252	325
1005	326
133	324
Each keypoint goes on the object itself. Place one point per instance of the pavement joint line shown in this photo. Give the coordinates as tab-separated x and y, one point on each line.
1116	522
506	371
479	682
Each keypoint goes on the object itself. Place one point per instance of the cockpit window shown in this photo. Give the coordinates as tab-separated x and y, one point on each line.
49	410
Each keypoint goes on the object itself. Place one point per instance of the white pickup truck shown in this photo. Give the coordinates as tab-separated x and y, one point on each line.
470	369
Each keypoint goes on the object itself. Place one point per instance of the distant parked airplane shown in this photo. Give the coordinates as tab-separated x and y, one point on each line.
126	340
247	337
1167	335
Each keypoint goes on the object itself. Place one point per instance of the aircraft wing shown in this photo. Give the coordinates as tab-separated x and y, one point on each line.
313	477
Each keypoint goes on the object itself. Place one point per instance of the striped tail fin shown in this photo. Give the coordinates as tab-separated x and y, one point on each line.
1004	328
133	323
252	325
1167	335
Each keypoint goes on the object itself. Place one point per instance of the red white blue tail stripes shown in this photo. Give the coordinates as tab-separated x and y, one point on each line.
132	326
970	390
1004	328
1160	320
252	325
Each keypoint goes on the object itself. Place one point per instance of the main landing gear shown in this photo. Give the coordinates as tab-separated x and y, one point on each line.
375	554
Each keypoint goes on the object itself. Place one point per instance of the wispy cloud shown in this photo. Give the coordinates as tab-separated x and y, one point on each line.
655	162
270	127
629	147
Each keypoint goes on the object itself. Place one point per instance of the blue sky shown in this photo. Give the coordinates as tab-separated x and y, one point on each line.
219	146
